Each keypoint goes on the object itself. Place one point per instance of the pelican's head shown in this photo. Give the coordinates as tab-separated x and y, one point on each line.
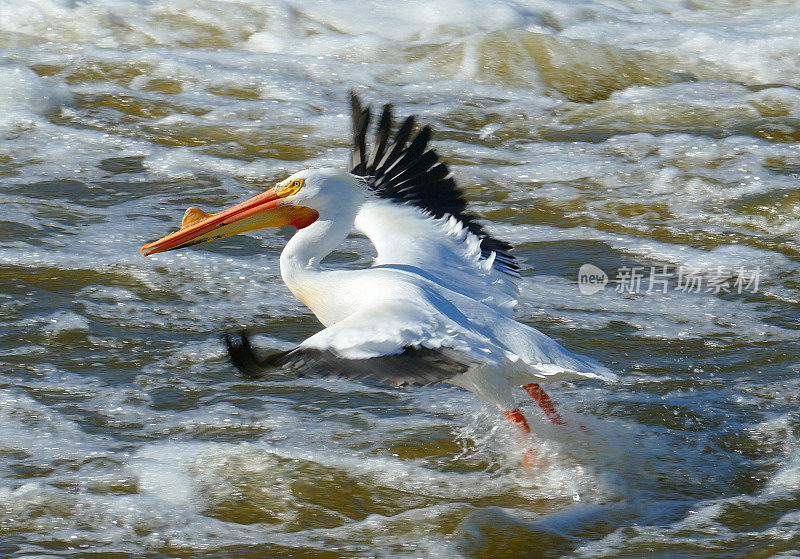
299	200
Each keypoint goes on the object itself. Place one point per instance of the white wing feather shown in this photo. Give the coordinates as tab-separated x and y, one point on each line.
404	309
439	249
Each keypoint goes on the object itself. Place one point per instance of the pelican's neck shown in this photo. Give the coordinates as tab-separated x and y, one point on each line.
300	265
306	249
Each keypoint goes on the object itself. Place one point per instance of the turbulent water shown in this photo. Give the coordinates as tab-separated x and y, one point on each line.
658	141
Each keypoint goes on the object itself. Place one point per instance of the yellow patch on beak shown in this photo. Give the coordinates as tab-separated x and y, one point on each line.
292	188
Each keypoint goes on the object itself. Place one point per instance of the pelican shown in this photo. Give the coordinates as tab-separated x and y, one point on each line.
437	303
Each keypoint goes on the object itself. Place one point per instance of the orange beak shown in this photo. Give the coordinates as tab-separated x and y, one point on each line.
267	209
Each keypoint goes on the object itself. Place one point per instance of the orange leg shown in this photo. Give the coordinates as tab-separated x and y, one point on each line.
535	391
515	416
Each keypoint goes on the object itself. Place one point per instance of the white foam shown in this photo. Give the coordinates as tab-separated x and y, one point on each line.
708	524
140	444
64	321
25	95
40	431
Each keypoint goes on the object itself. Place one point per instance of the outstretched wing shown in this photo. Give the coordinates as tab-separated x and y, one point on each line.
413	365
397	342
411	173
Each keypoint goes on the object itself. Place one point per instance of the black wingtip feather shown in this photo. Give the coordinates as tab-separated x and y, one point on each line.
242	355
381	139
414	175
398	145
245	359
414	365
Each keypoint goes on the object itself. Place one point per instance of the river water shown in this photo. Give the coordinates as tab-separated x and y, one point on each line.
656	140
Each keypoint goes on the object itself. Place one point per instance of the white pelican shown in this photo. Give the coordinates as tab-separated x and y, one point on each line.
437	303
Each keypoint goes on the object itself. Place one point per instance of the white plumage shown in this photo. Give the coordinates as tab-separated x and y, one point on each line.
428	287
437	303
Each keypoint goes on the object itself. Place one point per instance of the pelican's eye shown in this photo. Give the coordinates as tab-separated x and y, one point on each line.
291	188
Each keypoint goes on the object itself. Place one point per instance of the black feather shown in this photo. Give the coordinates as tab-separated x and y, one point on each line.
381	139
414	175
360	119
398	145
414	365
244	358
